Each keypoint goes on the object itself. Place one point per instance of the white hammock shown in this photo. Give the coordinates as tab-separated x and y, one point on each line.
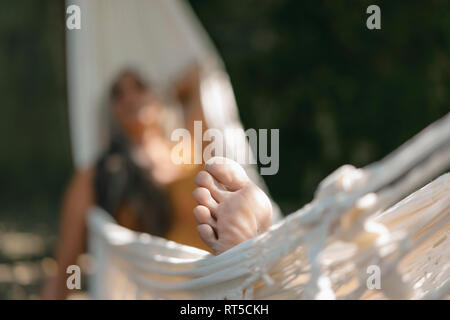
321	251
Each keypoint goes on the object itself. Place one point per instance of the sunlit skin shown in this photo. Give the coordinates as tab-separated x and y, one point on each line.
232	209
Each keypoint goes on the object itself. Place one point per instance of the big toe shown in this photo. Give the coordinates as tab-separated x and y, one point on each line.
227	172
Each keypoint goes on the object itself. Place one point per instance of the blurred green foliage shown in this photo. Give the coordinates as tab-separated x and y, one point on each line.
34	138
338	92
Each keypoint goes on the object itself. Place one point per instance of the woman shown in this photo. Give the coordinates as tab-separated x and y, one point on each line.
134	180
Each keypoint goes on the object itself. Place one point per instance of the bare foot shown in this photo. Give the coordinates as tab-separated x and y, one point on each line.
231	207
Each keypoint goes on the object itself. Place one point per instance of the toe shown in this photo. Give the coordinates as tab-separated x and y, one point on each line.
204	198
203	216
227	172
208	236
205	179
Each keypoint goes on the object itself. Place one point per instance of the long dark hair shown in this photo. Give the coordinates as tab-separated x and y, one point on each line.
119	181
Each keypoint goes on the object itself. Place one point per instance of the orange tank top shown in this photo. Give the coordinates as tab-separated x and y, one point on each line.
184	225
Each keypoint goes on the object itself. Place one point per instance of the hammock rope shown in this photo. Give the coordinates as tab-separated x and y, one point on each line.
317	251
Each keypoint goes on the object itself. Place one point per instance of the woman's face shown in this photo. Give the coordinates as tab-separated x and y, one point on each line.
135	108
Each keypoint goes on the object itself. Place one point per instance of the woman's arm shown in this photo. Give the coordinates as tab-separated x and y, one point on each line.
187	91
78	198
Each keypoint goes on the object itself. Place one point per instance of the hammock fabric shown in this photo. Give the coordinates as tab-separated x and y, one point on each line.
322	251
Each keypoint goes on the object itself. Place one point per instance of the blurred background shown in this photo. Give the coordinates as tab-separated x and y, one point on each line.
338	92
